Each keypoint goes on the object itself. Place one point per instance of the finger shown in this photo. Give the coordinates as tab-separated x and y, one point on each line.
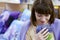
45	32
45	36
42	38
42	30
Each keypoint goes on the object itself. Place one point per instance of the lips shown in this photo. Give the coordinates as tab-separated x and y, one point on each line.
42	22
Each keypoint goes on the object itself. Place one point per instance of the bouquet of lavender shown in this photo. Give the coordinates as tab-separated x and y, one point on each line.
50	35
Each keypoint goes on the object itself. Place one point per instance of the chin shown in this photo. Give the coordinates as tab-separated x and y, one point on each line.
42	23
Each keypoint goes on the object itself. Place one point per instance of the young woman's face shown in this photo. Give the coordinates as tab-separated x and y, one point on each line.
42	18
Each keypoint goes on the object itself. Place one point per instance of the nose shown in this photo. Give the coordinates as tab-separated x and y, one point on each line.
43	18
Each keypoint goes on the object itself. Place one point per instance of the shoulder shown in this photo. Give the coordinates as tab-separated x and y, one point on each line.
56	21
56	24
56	27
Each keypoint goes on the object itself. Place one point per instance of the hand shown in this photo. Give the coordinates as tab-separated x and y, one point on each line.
42	35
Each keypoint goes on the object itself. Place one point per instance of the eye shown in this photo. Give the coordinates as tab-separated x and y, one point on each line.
46	15
39	15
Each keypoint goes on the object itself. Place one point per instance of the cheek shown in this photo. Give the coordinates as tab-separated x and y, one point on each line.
36	17
48	18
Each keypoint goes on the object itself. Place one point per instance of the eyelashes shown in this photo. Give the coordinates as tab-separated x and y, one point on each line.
41	15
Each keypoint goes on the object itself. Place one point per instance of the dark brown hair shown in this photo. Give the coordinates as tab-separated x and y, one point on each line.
42	7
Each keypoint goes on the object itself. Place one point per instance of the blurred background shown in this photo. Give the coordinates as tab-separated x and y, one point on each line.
12	4
19	9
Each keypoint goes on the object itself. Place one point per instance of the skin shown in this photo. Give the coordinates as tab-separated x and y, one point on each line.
41	20
42	35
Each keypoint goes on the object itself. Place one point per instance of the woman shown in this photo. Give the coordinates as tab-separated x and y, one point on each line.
42	14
